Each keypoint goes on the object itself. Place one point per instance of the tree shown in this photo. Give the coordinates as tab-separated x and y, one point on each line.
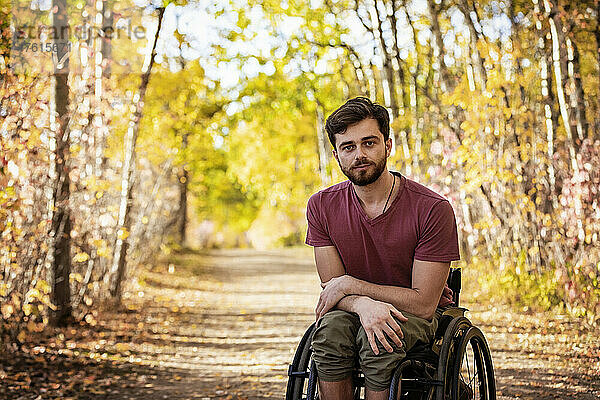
61	216
119	263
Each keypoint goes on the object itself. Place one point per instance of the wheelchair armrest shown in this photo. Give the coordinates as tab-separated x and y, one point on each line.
455	312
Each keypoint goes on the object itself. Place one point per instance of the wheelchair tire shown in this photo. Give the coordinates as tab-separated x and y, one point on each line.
448	355
300	379
473	375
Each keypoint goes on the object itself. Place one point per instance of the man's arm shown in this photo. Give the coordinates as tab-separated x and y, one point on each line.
375	316
329	264
428	280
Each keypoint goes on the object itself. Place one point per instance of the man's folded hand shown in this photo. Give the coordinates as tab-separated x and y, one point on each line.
377	319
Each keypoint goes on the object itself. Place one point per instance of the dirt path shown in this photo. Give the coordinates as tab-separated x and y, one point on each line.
224	324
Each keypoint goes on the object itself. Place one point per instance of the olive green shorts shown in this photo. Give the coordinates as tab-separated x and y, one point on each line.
340	344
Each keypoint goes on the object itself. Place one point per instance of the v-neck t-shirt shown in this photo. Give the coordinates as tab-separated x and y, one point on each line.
419	224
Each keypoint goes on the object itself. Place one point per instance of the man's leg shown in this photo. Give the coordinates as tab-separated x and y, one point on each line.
341	390
334	352
373	395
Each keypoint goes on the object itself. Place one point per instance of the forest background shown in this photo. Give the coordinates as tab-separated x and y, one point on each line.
200	124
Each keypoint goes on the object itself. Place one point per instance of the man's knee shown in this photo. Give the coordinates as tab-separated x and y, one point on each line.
378	369
334	345
336	326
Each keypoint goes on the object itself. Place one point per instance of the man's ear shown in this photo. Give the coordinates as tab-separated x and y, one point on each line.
388	147
335	155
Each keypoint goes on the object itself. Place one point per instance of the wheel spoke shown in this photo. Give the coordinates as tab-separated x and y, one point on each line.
473	374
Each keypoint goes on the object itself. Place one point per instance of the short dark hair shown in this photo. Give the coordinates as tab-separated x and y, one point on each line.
354	111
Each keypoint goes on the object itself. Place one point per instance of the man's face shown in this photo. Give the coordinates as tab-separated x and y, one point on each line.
362	152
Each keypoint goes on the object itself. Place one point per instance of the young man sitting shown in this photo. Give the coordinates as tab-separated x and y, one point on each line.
383	246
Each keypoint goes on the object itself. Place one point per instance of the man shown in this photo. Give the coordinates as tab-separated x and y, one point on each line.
383	246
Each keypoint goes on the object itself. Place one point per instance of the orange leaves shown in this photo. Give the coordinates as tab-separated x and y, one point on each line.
22	336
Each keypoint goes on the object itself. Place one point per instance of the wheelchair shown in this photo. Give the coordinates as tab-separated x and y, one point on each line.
456	365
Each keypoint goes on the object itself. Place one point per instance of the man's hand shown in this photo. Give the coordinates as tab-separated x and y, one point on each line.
333	291
376	318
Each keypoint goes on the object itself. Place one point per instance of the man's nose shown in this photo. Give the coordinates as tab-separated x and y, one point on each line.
359	153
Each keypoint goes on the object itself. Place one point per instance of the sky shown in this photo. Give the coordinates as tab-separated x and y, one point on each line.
203	30
205	24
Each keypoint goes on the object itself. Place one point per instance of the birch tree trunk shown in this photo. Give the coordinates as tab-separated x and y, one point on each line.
455	115
371	72
416	125
359	73
61	216
550	114
480	72
388	69
447	84
560	63
322	142
103	71
577	92
119	262
401	64
558	79
556	57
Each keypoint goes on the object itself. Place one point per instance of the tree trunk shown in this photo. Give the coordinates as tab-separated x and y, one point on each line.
401	64
560	62
389	81
413	99
183	195
107	26
118	266
446	81
61	217
454	115
558	36
323	144
371	75
415	132
551	117
577	93
481	74
558	79
374	83
359	73
360	70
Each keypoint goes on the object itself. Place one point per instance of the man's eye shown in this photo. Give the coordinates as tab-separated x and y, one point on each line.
347	148
369	143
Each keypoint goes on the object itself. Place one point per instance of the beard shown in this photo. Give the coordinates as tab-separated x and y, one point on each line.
365	176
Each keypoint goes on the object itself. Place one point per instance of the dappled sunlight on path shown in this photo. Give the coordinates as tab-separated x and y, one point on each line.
231	318
241	314
225	324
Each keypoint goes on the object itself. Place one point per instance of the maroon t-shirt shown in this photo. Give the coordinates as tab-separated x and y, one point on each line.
419	224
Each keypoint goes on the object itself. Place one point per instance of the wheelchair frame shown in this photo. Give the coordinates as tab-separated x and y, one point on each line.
436	371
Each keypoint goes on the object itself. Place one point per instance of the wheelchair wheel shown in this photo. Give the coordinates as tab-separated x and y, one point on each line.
473	376
448	355
302	373
414	378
